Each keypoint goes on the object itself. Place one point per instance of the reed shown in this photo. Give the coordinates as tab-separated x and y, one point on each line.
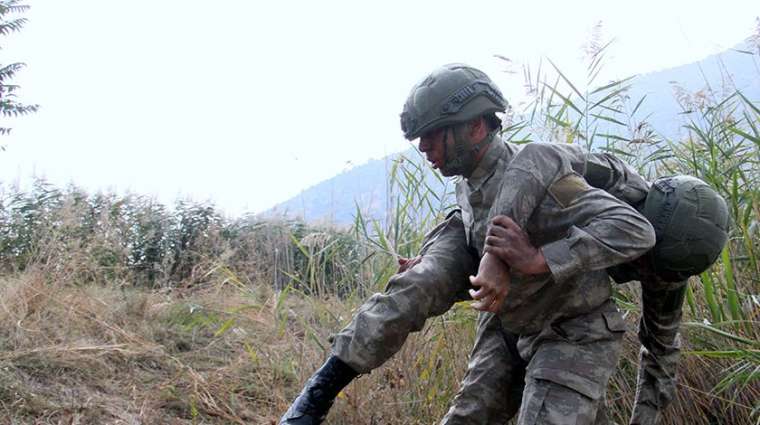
117	309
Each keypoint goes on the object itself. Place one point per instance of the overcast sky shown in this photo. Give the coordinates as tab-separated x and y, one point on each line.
247	103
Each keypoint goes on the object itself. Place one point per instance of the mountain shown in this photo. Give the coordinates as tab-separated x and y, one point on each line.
736	68
335	200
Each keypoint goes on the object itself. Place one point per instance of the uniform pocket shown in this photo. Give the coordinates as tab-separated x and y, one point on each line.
547	403
573	331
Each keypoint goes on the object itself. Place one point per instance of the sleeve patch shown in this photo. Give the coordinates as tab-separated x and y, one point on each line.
568	188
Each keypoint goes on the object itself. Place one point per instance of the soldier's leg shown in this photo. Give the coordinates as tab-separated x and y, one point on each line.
382	324
550	403
572	361
491	391
662	304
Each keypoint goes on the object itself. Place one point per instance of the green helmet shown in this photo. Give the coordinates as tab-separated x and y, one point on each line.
691	223
452	94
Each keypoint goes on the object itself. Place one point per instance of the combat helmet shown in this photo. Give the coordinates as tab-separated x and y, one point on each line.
691	224
452	94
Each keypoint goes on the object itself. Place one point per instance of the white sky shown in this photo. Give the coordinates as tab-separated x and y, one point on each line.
247	103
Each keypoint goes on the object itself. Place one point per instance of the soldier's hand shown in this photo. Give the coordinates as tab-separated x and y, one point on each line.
405	264
493	281
507	241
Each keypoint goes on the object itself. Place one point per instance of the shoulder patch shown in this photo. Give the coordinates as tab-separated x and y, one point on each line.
568	188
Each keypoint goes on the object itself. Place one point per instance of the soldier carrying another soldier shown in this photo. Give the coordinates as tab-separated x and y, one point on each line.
541	226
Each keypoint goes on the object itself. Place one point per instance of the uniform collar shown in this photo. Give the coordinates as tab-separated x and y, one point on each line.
487	164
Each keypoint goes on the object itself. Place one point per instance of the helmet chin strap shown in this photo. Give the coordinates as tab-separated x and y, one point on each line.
461	162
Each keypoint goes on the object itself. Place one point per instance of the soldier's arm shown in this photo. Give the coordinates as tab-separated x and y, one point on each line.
493	283
527	179
605	231
525	183
541	166
538	165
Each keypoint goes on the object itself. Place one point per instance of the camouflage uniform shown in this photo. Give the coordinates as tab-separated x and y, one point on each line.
537	167
662	304
661	301
562	324
561	329
546	322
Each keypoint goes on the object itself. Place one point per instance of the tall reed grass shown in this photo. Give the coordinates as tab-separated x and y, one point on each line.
220	320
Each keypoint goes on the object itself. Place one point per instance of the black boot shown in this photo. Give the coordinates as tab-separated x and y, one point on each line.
317	396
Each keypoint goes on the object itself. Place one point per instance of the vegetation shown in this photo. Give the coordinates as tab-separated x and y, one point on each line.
9	106
117	309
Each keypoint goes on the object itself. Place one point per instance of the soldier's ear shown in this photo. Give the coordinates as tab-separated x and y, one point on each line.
478	128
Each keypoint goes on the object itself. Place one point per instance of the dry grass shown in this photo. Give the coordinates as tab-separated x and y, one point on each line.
219	354
105	355
226	354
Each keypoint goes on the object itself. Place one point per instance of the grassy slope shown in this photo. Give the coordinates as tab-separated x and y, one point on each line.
225	354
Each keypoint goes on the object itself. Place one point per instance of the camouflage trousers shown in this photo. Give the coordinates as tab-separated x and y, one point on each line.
558	376
662	304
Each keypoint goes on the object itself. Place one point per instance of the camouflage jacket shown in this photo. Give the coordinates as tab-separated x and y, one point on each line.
581	230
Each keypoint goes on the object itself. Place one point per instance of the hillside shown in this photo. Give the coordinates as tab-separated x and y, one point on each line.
334	201
718	74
